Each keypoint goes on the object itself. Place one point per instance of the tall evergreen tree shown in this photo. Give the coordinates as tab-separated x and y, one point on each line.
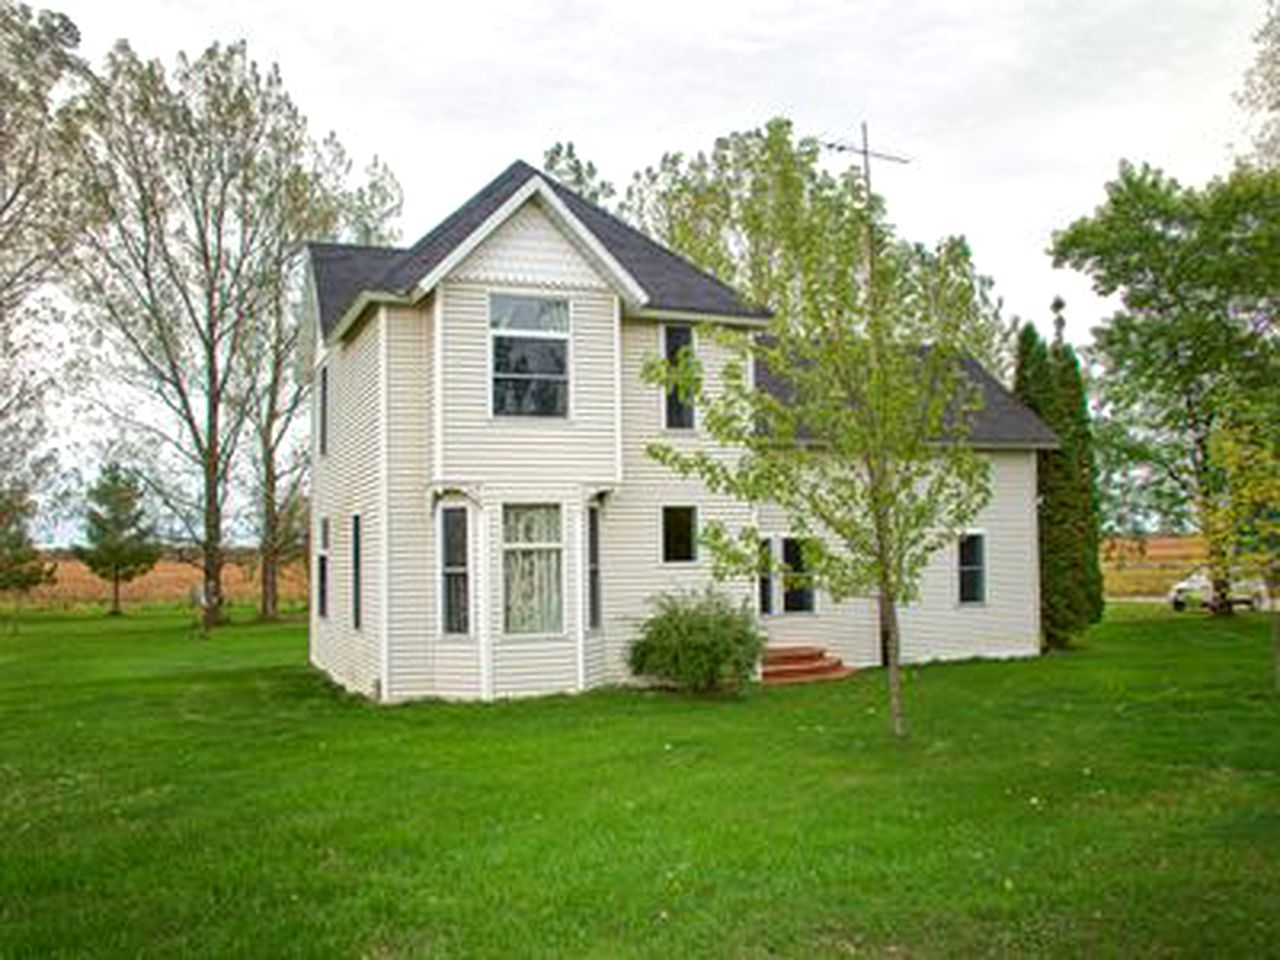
1076	428
1047	379
122	544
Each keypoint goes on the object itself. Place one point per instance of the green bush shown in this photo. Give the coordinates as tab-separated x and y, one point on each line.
698	641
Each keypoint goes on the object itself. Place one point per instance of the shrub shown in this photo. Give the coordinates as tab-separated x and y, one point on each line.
698	641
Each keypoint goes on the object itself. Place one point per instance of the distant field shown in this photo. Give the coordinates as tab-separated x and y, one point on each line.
170	582
1133	568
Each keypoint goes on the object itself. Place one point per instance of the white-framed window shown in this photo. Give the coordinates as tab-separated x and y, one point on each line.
973	568
677	411
532	569
529	350
797	586
679	534
594	599
455	579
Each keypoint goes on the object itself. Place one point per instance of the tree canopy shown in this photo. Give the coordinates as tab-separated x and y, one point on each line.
1197	272
121	539
863	444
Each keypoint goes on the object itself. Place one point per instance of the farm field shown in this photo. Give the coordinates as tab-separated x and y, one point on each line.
1148	568
170	582
167	796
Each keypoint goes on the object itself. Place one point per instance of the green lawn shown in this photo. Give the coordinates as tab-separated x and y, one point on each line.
162	795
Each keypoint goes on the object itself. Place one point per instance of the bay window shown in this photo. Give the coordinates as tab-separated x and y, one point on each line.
532	563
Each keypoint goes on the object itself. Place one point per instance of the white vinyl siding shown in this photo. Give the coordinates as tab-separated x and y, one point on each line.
346	482
937	626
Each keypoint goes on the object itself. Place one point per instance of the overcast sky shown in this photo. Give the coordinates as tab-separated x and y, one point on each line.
1014	112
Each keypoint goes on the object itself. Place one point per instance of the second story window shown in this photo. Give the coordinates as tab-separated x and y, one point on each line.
324	411
530	349
679	412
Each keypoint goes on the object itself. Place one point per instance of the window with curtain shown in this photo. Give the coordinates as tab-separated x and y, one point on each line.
973	568
679	411
593	568
530	349
533	590
455	582
797	588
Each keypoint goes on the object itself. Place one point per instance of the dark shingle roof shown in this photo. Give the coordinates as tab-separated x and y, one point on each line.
1001	421
342	271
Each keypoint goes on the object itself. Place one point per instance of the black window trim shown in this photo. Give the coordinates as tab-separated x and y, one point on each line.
670	398
446	570
595	594
980	567
356	585
323	402
808	590
693	538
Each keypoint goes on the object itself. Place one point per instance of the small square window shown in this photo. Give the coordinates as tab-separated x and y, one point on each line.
679	534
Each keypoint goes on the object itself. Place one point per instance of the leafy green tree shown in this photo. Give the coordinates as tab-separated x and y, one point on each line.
1197	272
738	211
561	160
122	543
863	444
22	568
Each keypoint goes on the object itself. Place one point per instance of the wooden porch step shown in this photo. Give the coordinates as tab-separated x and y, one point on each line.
792	654
801	664
839	673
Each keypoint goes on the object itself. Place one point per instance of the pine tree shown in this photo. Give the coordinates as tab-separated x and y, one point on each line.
122	544
21	566
1076	429
1064	483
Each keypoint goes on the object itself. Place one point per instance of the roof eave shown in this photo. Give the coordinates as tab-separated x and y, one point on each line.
698	316
633	295
366	299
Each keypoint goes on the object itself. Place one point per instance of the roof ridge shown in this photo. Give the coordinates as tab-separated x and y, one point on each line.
340	244
657	247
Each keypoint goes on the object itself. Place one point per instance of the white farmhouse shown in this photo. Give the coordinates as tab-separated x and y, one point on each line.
485	522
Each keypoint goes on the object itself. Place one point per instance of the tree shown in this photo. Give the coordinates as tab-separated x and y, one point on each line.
200	186
21	567
122	544
38	218
561	160
1076	432
277	383
1197	272
1048	381
862	440
1260	94
738	213
37	210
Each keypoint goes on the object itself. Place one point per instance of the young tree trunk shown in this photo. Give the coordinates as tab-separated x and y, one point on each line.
115	593
268	549
891	647
212	546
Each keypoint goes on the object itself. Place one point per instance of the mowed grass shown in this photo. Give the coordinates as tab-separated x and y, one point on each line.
162	795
